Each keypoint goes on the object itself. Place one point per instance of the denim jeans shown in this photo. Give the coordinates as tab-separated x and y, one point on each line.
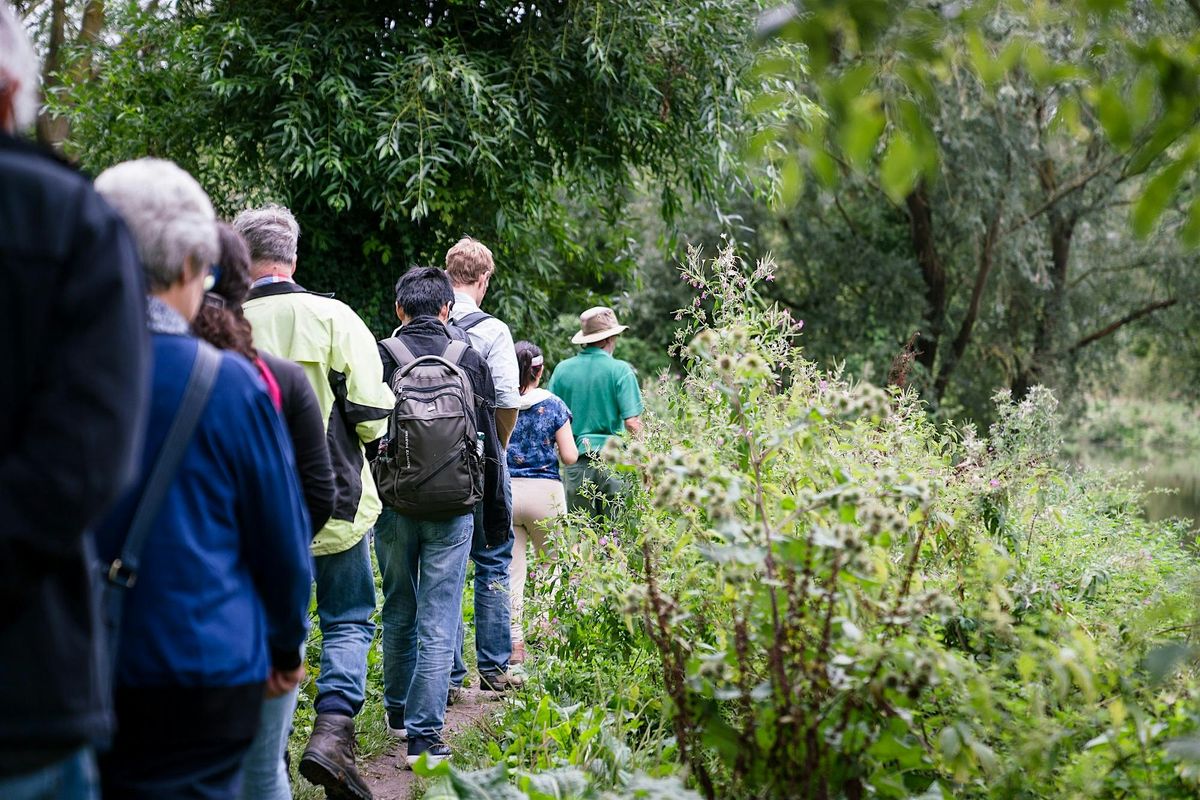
423	564
345	603
72	778
493	609
264	773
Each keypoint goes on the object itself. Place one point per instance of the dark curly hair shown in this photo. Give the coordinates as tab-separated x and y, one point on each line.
220	321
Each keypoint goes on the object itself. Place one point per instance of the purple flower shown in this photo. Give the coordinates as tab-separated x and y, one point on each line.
823	385
995	484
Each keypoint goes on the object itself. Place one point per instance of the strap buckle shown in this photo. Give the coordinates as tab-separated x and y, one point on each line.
121	575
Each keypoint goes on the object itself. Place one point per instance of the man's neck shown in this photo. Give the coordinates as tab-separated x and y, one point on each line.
470	292
271	269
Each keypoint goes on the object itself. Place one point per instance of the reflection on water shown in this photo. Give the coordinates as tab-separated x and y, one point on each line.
1179	472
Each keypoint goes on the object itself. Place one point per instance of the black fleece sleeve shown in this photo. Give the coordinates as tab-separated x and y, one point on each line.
302	412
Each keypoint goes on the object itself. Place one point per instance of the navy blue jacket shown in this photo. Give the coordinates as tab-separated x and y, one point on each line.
75	363
226	573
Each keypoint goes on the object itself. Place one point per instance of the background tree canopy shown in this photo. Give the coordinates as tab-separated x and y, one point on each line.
392	129
1005	186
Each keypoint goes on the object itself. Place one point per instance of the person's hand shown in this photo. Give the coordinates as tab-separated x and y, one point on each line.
280	682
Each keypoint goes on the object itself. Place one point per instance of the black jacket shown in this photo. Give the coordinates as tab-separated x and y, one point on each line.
302	413
76	354
428	336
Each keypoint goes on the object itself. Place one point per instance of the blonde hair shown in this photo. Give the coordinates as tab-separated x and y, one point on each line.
468	261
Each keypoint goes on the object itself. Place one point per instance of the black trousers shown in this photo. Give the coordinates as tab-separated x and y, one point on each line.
180	744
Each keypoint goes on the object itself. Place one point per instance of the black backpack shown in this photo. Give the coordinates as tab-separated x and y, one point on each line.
430	466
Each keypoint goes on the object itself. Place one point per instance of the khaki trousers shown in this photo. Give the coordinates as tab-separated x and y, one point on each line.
536	501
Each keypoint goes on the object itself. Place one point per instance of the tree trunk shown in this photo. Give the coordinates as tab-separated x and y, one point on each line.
1050	323
987	257
51	130
933	273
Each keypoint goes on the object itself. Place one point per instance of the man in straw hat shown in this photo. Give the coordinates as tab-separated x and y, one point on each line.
605	400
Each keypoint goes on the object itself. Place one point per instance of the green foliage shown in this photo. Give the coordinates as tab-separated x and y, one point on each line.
877	67
847	602
391	132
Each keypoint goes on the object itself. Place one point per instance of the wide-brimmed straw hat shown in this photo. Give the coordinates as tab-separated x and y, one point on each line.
596	324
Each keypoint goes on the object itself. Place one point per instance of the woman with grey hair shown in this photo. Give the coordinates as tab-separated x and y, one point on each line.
218	612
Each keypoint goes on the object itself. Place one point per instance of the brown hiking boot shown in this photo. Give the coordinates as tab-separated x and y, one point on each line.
328	760
500	682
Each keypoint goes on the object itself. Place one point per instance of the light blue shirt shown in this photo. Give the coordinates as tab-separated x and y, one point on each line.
493	340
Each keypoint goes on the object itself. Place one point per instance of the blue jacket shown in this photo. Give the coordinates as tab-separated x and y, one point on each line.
226	573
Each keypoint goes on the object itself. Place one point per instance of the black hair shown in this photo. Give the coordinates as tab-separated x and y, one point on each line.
526	353
423	292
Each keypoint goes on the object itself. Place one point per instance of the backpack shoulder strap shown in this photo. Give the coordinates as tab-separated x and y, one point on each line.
471	320
399	351
123	571
455	351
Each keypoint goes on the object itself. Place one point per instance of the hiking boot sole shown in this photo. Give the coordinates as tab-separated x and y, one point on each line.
319	771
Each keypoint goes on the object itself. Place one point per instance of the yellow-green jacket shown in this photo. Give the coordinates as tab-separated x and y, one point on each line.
339	355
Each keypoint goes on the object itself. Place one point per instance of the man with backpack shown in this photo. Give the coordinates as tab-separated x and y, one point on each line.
470	267
440	461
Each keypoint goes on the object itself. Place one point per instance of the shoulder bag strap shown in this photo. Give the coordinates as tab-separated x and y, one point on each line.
122	573
469	321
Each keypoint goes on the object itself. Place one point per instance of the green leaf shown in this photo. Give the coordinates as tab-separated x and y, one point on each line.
900	168
861	130
1191	228
950	743
1157	194
1113	115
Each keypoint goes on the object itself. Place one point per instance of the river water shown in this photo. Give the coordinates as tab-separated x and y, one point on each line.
1176	473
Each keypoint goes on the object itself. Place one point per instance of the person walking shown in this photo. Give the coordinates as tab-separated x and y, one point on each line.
470	266
423	549
605	400
72	314
222	324
338	354
541	439
214	606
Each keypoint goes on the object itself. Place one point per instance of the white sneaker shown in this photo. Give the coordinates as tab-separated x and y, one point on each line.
400	734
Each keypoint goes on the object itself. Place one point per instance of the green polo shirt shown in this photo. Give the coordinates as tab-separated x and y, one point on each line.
601	391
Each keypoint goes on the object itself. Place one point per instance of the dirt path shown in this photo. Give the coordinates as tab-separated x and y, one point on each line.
388	775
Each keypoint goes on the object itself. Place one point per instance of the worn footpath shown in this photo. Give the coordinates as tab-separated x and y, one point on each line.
389	776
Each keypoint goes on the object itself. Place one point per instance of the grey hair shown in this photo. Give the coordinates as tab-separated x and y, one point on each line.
170	216
271	232
19	63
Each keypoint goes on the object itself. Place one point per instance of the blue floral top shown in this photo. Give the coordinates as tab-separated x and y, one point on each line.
532	452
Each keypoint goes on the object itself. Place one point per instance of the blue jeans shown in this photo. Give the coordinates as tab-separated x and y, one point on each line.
345	603
264	773
493	608
73	778
423	564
